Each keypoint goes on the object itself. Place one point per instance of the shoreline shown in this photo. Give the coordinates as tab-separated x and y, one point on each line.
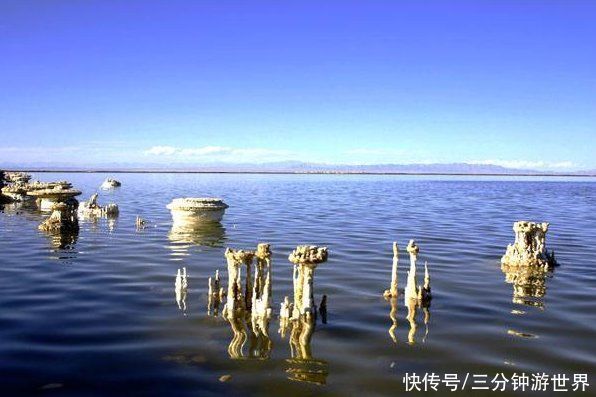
108	171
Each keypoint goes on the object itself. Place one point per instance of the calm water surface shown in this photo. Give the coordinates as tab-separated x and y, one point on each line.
98	315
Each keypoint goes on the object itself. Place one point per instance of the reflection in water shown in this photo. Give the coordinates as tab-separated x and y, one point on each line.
529	283
201	233
248	304
180	289
302	366
413	307
415	296
27	209
63	241
411	317
243	330
62	226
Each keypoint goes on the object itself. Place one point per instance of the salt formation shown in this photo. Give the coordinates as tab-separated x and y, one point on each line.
216	295
300	316
17	177
529	248
238	298
305	258
63	219
46	198
110	183
19	191
261	294
413	292
92	209
285	312
140	223
180	289
3	198
392	291
248	304
15	192
193	210
415	296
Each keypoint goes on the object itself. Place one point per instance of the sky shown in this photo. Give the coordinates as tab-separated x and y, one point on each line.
511	83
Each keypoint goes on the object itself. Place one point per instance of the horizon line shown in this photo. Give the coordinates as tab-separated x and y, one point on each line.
137	171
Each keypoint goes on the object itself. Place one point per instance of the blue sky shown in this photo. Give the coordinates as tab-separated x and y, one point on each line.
503	82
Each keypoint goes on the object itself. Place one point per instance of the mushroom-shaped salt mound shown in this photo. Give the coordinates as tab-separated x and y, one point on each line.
16	192
92	209
194	210
46	198
110	183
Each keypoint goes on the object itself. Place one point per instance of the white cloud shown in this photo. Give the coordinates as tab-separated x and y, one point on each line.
525	164
219	153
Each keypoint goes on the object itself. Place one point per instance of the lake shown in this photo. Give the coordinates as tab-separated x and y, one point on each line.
97	314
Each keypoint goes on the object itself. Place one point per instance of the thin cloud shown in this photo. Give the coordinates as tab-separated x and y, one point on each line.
219	153
525	164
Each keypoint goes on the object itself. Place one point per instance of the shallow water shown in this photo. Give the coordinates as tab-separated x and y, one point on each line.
99	316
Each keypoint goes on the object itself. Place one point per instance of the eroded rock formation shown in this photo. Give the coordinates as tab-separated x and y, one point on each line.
529	248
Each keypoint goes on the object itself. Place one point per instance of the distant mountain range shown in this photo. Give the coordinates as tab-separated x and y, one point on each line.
302	167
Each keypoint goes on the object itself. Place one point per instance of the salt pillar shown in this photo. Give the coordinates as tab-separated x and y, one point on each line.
235	259
411	291
261	294
392	291
305	258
